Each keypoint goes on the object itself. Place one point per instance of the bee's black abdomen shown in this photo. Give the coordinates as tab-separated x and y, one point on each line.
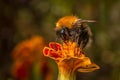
83	38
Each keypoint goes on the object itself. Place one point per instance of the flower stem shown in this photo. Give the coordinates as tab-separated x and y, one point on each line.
67	76
66	71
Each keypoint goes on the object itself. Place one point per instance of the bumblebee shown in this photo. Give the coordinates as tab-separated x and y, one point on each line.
74	29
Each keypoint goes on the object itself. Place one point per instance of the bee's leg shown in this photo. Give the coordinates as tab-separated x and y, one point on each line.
73	39
72	35
77	36
79	41
57	38
67	33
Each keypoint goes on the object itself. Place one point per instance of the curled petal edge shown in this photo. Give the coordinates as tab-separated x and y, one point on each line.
51	53
89	68
85	65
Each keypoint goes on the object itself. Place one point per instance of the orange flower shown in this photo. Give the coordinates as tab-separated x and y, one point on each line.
69	58
25	54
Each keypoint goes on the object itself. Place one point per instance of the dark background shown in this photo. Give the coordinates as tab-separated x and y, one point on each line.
20	19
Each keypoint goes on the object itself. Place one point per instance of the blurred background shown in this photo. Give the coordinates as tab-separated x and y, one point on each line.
26	26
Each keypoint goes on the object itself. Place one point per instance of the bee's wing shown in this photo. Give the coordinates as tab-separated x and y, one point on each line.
91	21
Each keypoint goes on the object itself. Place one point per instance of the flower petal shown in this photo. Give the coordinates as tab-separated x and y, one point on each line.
89	68
84	65
46	51
55	46
51	53
54	54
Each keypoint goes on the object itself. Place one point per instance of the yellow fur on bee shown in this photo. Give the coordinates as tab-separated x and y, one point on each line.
66	21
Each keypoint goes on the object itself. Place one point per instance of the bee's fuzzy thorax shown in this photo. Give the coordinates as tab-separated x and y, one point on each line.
66	21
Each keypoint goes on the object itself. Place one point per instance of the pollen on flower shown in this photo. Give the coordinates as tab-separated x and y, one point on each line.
59	52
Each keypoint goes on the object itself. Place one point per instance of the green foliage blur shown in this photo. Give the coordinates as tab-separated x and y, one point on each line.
20	19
